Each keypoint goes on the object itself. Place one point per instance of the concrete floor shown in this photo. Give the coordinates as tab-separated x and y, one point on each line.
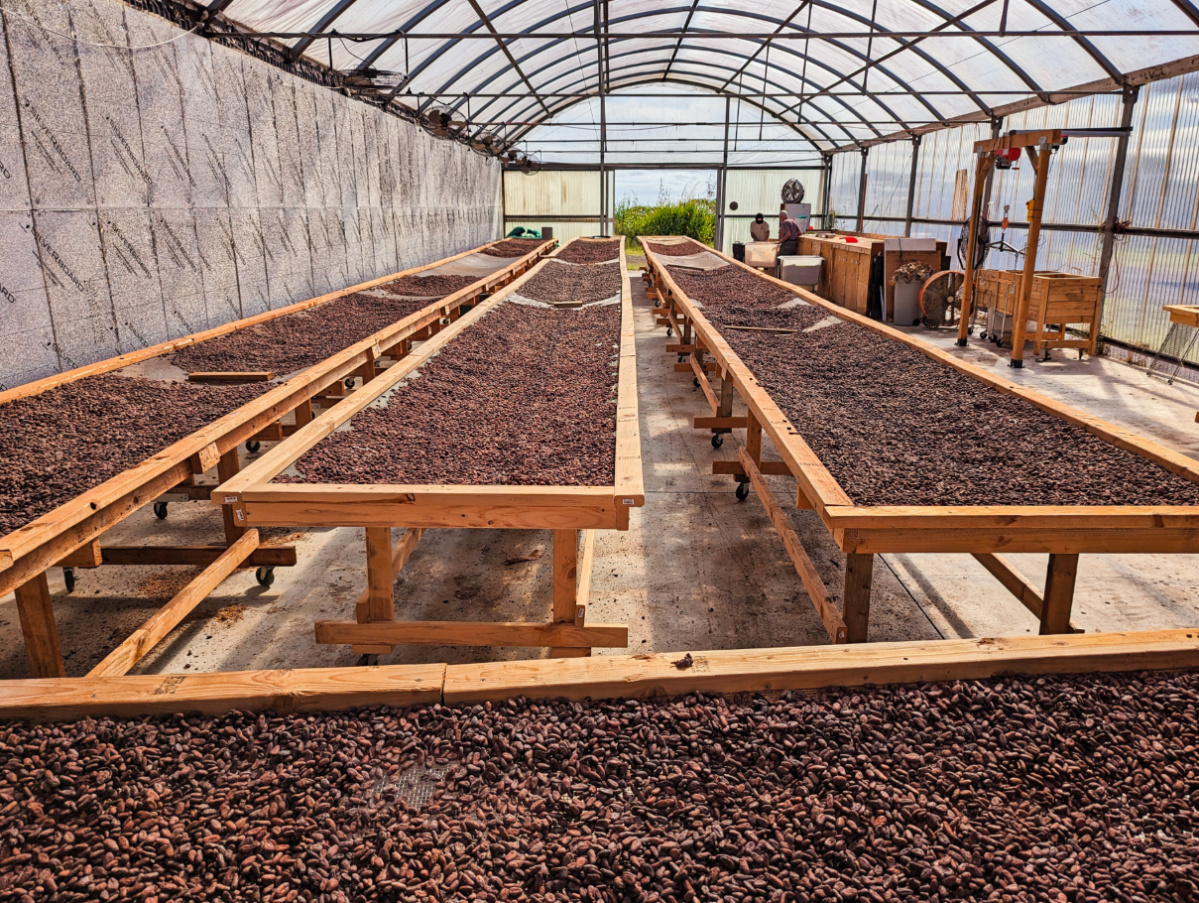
696	570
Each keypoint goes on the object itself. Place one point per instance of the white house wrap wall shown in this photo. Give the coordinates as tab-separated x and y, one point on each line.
154	183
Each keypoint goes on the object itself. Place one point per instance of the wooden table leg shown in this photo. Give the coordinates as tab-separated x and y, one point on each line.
37	624
566	586
1059	594
859	571
227	469
380	579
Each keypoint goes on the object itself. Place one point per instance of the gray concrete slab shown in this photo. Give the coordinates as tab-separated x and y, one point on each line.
696	570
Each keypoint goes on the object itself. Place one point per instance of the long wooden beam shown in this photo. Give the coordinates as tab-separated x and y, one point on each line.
472	633
623	676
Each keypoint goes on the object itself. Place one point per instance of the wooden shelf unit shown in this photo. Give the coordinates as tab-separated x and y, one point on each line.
986	532
70	535
1056	301
574	513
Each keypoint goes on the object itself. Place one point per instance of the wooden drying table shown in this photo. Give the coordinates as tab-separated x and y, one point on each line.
1064	532
69	536
567	510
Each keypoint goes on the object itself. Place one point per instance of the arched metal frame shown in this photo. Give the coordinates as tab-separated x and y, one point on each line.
531	75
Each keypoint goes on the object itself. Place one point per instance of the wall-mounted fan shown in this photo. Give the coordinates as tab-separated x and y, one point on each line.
793	192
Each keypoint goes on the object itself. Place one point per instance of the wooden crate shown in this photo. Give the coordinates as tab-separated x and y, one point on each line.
1058	300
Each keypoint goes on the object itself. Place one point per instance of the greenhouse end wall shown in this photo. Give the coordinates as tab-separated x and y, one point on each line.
169	184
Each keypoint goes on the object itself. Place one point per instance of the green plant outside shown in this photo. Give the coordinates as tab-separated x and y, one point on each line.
695	218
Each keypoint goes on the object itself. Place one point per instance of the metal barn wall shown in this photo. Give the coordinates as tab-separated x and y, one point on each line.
567	200
152	192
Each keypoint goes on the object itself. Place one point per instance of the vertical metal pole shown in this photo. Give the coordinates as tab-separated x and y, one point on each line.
996	130
722	186
603	167
982	172
907	223
862	191
1113	201
826	191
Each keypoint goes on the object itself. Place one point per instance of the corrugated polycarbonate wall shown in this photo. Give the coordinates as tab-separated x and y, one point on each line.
152	192
1160	191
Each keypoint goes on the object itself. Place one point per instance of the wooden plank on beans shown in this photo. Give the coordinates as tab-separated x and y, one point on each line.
250	376
472	633
285	692
815	667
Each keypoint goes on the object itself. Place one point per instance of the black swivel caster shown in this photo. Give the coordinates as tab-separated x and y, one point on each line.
695	381
348	382
265	576
68	576
368	661
717	440
252	447
682	359
669	332
160	510
742	491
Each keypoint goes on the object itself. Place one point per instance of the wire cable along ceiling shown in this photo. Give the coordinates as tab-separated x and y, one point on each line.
833	74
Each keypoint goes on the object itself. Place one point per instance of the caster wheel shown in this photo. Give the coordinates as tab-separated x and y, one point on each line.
717	440
682	359
742	491
970	331
160	510
252	447
368	661
695	381
348	382
68	576
669	332
265	576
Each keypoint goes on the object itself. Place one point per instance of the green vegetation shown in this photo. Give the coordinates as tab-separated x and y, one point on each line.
695	217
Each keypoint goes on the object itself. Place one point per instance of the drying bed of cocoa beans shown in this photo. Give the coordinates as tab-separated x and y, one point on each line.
297	341
65	441
1082	789
526	396
729	285
568	282
514	247
895	427
590	251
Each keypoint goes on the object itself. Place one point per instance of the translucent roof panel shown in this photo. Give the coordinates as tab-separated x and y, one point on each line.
829	73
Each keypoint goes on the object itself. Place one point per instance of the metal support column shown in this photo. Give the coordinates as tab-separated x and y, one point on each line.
1113	201
907	223
826	190
862	191
722	179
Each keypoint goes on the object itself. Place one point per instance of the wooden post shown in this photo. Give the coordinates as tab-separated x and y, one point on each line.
566	586
859	570
380	579
753	438
304	413
37	625
227	468
1059	594
1040	160
981	171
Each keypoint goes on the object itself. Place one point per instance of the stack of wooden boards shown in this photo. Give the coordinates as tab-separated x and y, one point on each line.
522	415
830	389
143	434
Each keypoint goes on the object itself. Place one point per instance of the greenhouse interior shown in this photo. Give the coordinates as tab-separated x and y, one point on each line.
610	451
